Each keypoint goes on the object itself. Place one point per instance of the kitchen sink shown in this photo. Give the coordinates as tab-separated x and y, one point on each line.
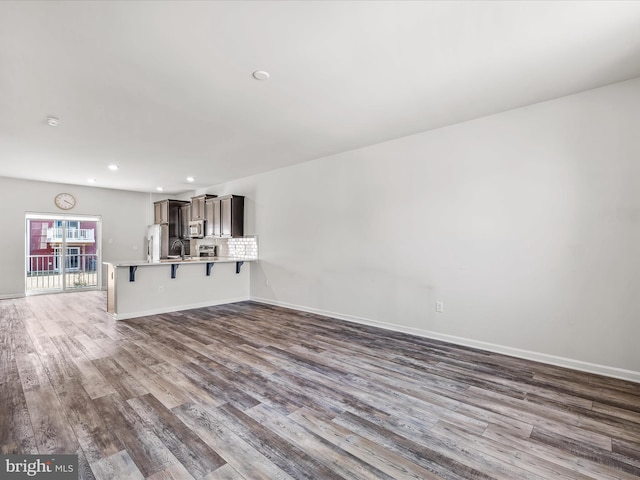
175	258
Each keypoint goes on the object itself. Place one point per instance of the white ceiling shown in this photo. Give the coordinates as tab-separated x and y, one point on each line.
164	89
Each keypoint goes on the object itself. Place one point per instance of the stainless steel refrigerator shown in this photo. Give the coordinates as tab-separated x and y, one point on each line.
157	242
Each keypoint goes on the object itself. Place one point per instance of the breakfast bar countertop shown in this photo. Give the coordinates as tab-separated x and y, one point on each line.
165	261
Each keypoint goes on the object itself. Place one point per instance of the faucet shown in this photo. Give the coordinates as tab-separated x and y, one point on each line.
177	240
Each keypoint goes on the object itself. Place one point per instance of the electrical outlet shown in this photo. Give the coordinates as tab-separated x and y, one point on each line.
439	307
160	289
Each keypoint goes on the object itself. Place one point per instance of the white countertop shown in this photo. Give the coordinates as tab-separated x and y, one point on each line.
168	261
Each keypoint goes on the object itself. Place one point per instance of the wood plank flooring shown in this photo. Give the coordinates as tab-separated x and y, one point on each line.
248	391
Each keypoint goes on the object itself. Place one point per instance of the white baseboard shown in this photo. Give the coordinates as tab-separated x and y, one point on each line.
176	308
12	295
605	370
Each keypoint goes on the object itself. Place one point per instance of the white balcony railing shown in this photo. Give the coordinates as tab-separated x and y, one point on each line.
44	272
77	235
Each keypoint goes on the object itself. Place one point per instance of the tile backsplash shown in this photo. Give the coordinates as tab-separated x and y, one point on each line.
246	247
240	247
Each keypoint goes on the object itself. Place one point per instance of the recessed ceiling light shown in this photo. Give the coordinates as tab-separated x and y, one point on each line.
113	167
261	75
91	180
159	189
53	121
191	179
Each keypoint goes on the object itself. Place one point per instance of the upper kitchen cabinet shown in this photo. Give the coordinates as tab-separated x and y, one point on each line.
185	216
168	212
225	216
212	217
198	206
231	216
161	212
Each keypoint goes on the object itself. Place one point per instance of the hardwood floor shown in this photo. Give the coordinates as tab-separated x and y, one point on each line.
248	391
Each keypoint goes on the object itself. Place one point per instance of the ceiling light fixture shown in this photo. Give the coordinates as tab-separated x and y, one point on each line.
53	121
91	180
261	75
159	189
113	167
191	179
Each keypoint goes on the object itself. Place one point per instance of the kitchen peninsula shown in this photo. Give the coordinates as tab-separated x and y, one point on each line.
208	270
140	288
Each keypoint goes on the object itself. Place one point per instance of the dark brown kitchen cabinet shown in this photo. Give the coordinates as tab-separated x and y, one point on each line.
212	217
225	216
161	212
168	212
185	216
198	206
231	216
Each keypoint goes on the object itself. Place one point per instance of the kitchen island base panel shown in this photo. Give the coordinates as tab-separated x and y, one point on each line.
176	308
154	291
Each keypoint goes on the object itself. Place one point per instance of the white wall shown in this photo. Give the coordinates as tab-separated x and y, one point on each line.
124	219
525	224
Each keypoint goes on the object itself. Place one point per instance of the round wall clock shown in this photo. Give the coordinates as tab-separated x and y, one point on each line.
65	201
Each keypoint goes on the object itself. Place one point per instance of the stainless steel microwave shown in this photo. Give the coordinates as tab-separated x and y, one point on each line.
196	229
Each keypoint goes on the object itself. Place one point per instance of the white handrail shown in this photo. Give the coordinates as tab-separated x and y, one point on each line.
54	234
44	271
